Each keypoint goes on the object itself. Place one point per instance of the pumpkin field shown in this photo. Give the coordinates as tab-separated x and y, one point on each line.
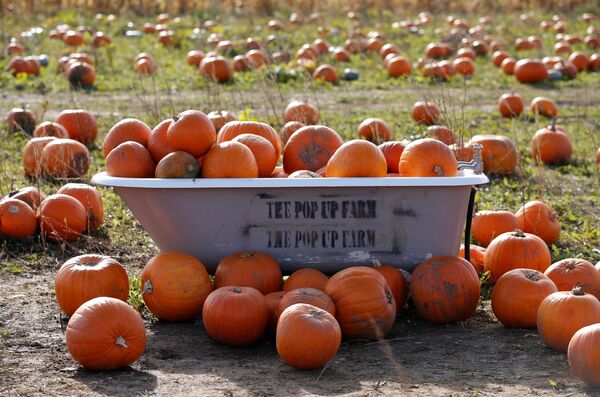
123	123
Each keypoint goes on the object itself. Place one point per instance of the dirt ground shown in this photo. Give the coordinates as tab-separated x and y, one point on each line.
476	358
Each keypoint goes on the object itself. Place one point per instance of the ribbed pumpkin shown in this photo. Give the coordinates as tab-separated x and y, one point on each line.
511	105
551	145
570	273
499	153
397	283
126	130
538	218
272	301
517	296
307	337
306	278
20	120
229	160
288	129
425	112
374	130
249	269
514	250
236	316
175	286
311	296
398	66
220	117
86	277
427	157
477	254
91	200
65	158
441	133
490	224
310	148
30	195
62	218
191	131
302	112
80	124
217	68
17	219
365	306
584	354
392	150
445	289
544	107
105	333
530	71
357	158
326	73
178	164
130	160
32	153
157	141
50	128
263	151
563	313
235	128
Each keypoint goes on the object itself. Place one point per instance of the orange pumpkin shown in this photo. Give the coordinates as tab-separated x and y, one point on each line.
561	314
177	164
235	128
307	337
326	73
570	273
216	68
65	158
580	59
86	277
191	131
551	145
464	66
229	160
477	256
445	289
306	278
236	316
374	130
508	65
49	128
17	219
365	306
249	269
302	112
80	124
126	130
441	133
145	66
157	141
80	75
490	224
530	71
20	120
311	296
175	286
30	195
263	151
397	283
392	150
398	66
130	160
499	153
105	333
425	112
517	296
310	148
426	158
32	153
498	57
288	129
544	107
272	301
515	250
357	158
220	117
511	105
583	354
62	217
538	218
90	198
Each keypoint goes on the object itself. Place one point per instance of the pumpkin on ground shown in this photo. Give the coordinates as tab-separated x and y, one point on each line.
175	286
306	278
86	277
490	224
530	71
236	316
425	112
397	283
441	133
272	301
477	256
551	145
65	158
311	296
445	289
90	198
538	218
544	107
50	128
357	158
105	333
499	153
374	130
30	195
17	218
307	337
80	124
62	217
511	105
32	153
563	313
427	158
302	112
258	270
513	250
570	273
365	306
584	354
20	120
517	296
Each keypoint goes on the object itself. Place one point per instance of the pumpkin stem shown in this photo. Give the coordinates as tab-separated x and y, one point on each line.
247	254
147	287
553	124
438	170
533	275
518	233
175	118
237	290
578	291
121	342
377	263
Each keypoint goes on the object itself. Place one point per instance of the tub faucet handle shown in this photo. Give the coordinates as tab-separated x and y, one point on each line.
476	164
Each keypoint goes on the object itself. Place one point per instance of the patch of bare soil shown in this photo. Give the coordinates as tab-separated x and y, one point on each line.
478	357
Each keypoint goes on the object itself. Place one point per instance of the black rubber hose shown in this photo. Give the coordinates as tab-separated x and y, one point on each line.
468	225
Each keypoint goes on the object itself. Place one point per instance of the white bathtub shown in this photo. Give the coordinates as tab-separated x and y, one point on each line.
328	223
